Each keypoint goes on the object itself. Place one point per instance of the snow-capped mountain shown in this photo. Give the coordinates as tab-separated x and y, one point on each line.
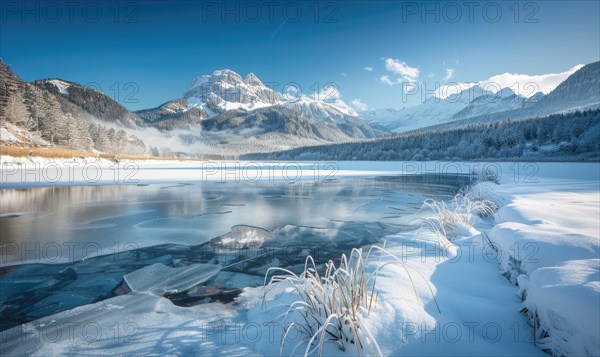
225	90
61	86
226	112
385	115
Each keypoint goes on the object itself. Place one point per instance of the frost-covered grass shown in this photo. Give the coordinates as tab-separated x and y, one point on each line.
455	218
333	307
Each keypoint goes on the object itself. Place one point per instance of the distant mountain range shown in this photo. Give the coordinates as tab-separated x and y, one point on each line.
579	91
225	114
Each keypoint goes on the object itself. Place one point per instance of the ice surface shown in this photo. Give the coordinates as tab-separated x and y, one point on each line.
244	227
159	279
128	325
102	220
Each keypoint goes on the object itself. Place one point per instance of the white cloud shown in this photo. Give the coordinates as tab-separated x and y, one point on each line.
386	79
402	70
368	69
359	105
344	74
522	84
449	74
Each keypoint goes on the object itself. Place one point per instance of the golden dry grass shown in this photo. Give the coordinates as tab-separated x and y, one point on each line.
40	152
70	153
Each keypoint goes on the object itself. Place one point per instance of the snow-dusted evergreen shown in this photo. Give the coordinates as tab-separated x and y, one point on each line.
64	114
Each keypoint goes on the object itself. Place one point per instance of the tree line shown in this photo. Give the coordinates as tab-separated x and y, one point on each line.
571	136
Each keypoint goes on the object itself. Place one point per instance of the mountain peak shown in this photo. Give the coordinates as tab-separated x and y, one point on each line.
61	85
252	79
506	92
226	90
227	76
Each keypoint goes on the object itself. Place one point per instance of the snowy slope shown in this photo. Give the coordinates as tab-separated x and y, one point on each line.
336	111
92	101
433	110
580	90
490	103
62	86
176	113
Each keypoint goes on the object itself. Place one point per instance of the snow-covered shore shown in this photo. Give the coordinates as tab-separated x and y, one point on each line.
549	238
24	172
545	238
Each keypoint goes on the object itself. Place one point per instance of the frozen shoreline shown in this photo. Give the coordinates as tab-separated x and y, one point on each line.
42	172
556	212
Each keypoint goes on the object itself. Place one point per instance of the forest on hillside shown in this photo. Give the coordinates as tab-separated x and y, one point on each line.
572	136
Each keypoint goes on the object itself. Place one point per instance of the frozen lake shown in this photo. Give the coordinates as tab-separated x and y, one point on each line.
64	247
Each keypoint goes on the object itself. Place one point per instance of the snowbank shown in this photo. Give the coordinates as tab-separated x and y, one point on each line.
548	238
565	300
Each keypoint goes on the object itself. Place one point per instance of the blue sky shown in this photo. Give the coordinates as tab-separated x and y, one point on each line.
162	46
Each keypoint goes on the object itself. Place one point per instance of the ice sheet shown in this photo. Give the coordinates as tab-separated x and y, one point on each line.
159	279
